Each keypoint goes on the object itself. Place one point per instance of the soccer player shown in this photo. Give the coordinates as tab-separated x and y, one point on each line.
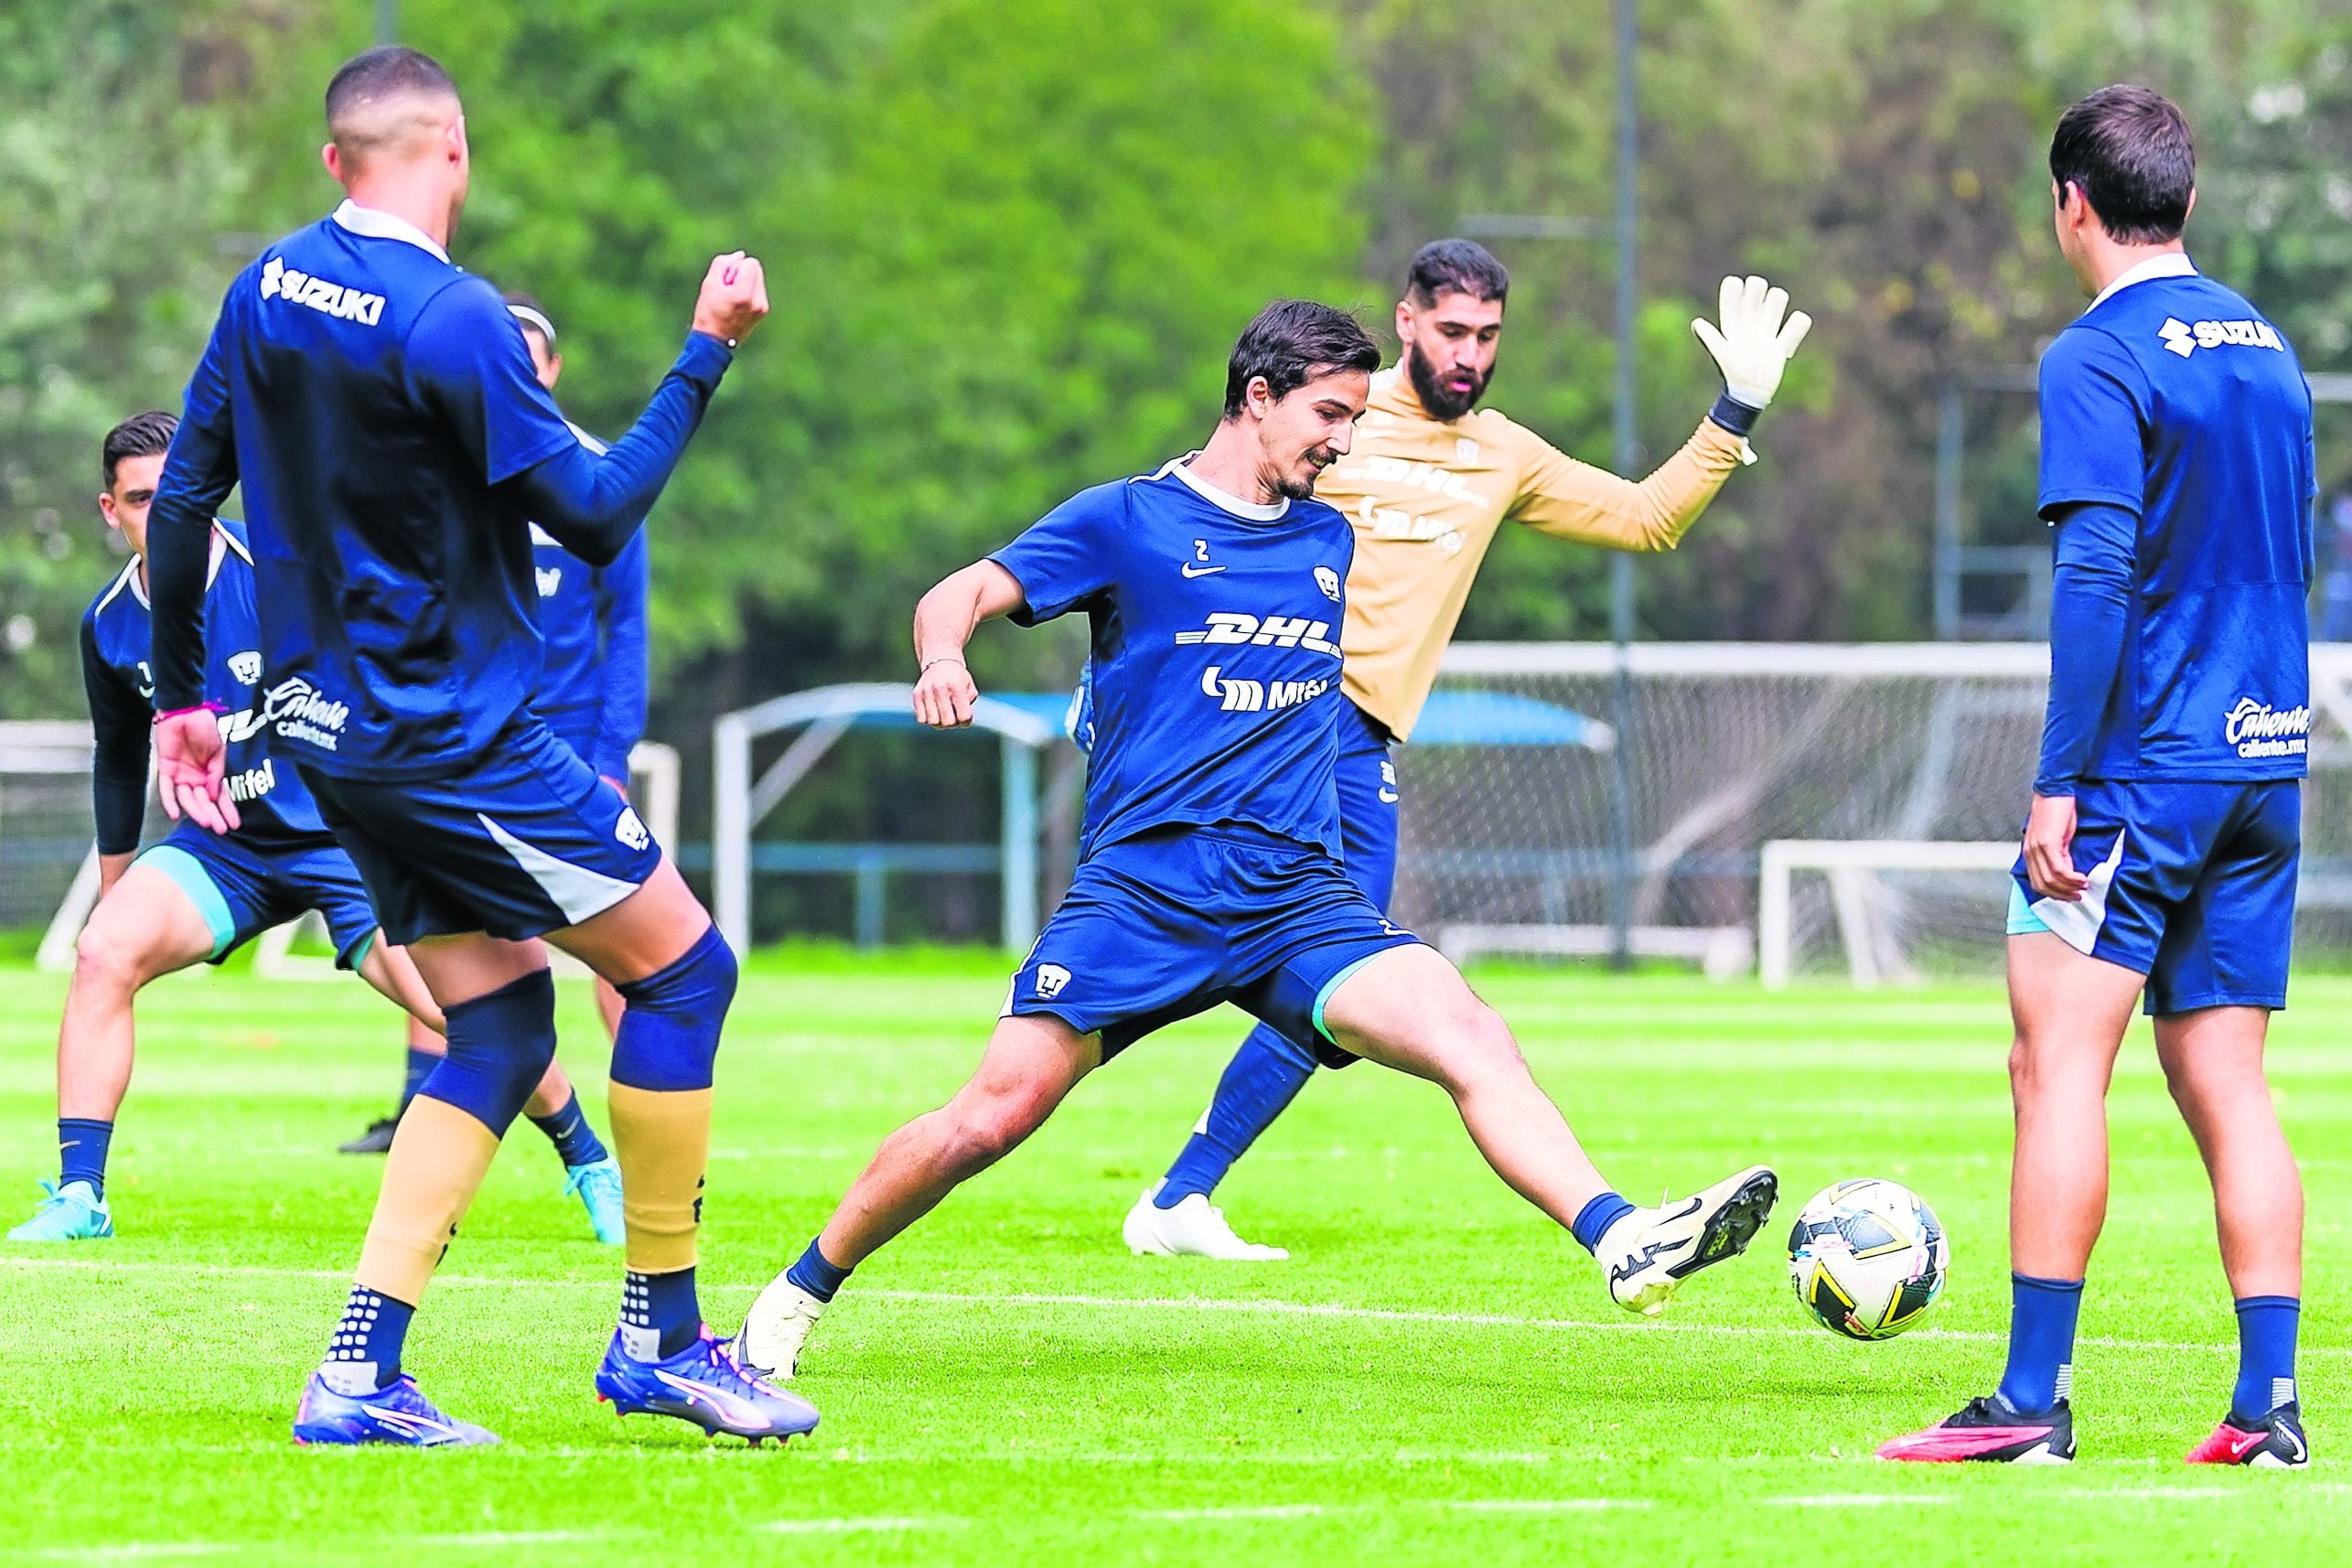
195	898
1210	859
1431	479
593	697
378	407
2159	856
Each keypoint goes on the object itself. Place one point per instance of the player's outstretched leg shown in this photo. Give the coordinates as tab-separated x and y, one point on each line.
146	926
1409	1009
2213	1061
1030	1065
1174	1218
677	977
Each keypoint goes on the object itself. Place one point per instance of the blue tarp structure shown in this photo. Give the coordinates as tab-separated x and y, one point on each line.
1452	718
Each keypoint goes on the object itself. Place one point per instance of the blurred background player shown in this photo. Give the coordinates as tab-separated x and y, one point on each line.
196	897
2161	850
1430	480
1210	868
592	620
400	653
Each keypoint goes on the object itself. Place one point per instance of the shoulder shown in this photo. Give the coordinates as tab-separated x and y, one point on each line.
463	303
120	589
233	534
2088	350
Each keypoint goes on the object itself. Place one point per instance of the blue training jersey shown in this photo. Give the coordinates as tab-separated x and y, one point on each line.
1215	672
2172	398
592	620
272	803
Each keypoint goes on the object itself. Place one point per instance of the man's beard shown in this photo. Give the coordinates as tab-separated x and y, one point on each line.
1302	489
1441	403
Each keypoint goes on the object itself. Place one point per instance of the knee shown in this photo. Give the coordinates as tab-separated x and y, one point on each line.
983	1129
104	958
1482	1052
668	1037
500	1047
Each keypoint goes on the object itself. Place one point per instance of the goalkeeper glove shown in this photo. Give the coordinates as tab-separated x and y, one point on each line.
1751	347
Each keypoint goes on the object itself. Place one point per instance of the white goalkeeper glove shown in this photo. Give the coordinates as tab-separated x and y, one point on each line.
1753	344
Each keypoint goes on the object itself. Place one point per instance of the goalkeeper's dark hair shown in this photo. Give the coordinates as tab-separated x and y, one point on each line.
2129	151
144	435
392	72
1455	267
1290	343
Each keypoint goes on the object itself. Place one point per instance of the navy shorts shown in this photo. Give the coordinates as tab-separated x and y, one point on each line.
2192	885
1172	922
243	887
525	841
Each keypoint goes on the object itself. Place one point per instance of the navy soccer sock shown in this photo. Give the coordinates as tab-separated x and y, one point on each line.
575	1142
659	1314
1264	1076
815	1273
1593	1221
420	1066
2042	1315
81	1143
2266	1355
364	1355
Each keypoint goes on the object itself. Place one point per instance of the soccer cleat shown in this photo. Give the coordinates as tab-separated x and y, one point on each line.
597	1186
400	1416
73	1212
2273	1443
1989	1430
776	1328
376	1140
706	1384
1193	1227
1651	1251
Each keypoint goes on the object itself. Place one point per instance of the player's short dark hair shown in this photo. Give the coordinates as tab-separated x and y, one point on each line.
1456	266
2129	151
144	435
1290	343
386	72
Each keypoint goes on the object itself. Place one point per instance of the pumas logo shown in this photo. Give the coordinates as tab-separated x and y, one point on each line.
282	282
246	666
1232	627
549	579
2184	339
1328	581
1051	978
630	831
1239	696
299	711
2256	729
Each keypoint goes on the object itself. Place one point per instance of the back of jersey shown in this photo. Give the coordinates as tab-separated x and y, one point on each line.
2172	397
377	394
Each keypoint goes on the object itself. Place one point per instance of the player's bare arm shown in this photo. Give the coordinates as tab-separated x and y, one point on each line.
945	619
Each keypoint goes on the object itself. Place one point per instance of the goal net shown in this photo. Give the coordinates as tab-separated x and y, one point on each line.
1891	778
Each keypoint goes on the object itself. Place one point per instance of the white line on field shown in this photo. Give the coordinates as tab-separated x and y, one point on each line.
1270	1309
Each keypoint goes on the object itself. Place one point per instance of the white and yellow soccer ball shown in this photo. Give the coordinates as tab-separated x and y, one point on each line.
1868	1259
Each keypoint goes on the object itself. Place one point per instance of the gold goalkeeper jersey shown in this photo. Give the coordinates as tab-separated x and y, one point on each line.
1426	497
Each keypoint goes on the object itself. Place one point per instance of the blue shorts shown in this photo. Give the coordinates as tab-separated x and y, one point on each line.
527	841
243	887
1367	804
2192	885
1173	921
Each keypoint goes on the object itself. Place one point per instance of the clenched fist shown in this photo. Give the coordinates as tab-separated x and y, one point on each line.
734	298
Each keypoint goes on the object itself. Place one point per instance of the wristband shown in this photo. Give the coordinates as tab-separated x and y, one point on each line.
1733	415
207	707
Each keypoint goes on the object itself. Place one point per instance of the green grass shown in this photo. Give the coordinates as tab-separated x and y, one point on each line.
1437	1377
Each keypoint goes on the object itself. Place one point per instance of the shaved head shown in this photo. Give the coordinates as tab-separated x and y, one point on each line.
389	101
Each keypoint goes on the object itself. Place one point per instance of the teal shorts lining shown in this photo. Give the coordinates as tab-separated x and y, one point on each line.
188	874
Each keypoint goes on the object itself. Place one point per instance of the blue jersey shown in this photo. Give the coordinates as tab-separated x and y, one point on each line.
374	398
1216	657
272	803
593	621
2173	399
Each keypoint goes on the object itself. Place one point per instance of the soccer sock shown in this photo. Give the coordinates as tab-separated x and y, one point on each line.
2266	1355
817	1274
1593	1221
364	1355
659	1314
660	1100
420	1067
2042	1315
1264	1076
575	1142
81	1143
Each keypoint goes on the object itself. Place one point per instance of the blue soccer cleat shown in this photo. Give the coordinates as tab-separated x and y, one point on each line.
73	1212
597	1186
399	1415
703	1384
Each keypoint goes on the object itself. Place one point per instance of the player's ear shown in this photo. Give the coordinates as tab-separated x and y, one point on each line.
2190	209
1404	321
332	156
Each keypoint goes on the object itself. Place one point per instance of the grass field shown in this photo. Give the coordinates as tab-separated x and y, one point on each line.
1437	1377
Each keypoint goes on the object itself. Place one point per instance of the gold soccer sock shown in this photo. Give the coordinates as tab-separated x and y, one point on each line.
438	1158
662	1139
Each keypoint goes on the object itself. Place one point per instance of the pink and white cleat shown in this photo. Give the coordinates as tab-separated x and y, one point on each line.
2274	1443
1988	1429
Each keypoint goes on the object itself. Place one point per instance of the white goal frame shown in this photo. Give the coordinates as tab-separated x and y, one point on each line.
1849	864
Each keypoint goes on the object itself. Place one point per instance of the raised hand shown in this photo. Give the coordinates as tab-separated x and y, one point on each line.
734	297
1754	344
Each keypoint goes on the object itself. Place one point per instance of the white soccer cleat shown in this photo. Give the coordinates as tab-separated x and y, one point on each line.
1195	1227
1651	1251
776	1328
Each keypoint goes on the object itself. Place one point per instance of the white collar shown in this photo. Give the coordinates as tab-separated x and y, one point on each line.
2171	265
138	572
1254	510
377	224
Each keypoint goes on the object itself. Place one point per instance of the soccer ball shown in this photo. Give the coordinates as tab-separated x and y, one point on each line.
1868	1259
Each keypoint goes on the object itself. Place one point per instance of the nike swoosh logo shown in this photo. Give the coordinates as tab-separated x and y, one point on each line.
1204	572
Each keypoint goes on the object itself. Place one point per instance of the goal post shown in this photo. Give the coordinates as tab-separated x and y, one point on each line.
1849	866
